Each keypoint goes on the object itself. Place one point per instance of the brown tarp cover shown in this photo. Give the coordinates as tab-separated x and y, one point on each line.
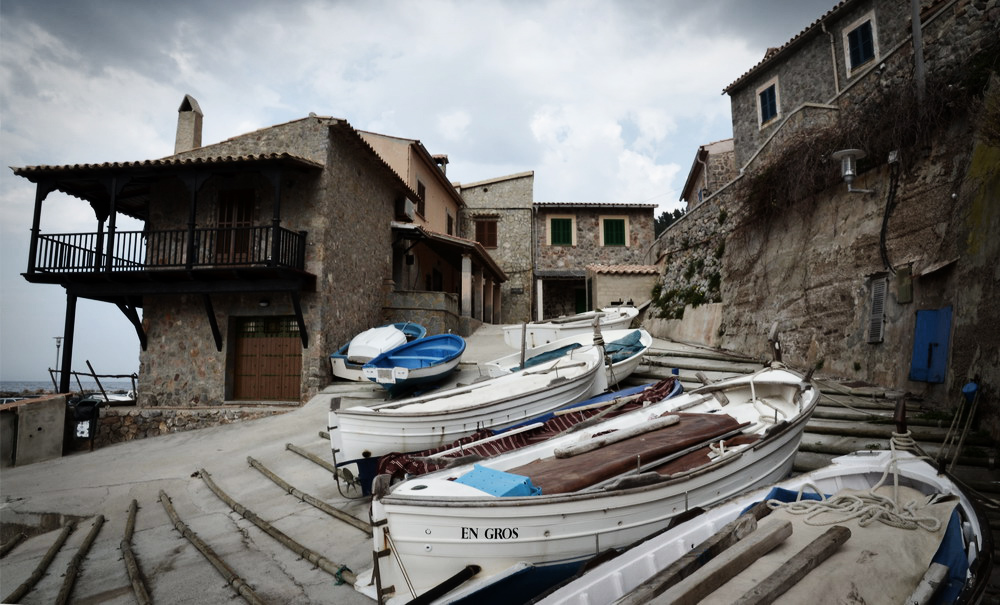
565	475
399	464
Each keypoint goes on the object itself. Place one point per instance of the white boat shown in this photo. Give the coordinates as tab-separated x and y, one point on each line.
544	332
625	347
638	574
344	367
361	434
699	448
416	364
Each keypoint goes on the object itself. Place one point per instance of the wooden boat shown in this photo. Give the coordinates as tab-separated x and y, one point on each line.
602	487
894	555
346	369
540	333
624	347
420	362
361	434
493	442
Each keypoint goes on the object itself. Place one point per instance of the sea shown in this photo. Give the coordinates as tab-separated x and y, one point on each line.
11	388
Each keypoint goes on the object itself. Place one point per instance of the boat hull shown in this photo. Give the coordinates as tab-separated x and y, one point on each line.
420	362
542	333
435	527
345	369
614	373
615	579
430	421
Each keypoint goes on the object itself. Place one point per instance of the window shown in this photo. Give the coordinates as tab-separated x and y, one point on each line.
768	102
613	232
860	43
486	233
451	223
562	231
421	194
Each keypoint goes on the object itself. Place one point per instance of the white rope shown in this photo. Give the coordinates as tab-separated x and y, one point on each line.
868	507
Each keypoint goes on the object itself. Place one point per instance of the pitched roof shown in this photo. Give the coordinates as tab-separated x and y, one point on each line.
624	269
774	53
543	205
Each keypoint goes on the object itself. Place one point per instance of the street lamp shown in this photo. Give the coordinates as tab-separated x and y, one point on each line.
849	167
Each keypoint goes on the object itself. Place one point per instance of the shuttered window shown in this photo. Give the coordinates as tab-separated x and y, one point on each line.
876	321
614	232
861	44
486	233
768	104
561	231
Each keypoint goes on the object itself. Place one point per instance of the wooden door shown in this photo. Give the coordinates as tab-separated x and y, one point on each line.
235	221
268	359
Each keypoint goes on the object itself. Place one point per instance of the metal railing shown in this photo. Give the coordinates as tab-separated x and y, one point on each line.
171	249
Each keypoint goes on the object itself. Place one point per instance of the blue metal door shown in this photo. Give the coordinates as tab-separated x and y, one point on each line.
930	345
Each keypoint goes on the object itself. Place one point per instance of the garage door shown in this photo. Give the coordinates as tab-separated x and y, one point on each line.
268	359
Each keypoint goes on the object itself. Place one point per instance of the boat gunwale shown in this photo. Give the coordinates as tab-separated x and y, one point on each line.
376	411
774	442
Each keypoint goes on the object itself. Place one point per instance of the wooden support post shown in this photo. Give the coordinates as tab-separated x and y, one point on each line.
721	569
210	311
797	567
67	354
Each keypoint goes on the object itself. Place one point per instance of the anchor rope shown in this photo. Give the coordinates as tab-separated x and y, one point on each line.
868	507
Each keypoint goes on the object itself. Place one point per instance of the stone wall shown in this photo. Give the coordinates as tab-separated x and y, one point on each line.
436	311
508	200
119	424
588	249
345	210
810	266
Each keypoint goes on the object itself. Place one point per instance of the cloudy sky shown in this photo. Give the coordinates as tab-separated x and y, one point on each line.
606	101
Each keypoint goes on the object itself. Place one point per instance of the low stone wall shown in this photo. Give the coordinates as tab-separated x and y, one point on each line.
119	424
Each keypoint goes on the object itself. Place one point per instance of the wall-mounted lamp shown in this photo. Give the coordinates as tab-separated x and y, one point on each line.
849	167
264	302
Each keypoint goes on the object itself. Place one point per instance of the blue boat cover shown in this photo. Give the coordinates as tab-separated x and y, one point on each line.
498	483
625	347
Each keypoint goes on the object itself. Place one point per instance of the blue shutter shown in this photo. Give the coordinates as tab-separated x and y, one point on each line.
861	44
929	362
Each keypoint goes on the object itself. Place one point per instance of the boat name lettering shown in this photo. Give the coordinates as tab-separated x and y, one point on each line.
490	533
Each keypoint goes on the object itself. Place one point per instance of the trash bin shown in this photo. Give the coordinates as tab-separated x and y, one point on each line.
85	413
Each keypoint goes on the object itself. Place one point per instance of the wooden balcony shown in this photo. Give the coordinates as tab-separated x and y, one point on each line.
202	260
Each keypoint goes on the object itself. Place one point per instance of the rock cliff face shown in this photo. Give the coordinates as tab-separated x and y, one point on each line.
787	243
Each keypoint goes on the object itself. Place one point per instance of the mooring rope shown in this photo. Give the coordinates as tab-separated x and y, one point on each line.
868	507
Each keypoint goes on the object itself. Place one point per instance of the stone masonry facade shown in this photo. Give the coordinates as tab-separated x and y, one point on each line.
507	201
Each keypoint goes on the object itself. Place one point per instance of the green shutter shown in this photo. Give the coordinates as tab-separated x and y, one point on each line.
562	231
614	232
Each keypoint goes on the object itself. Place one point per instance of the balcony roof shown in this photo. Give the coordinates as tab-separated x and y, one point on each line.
91	182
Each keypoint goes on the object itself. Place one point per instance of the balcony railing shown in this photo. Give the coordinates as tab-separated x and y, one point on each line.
173	249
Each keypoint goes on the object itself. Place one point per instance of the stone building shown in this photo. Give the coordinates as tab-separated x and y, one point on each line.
435	258
570	236
713	166
887	276
260	255
498	215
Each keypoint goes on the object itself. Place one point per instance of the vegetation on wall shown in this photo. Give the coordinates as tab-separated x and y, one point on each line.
887	119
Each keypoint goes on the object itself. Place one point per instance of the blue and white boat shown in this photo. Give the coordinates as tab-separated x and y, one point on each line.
419	362
349	359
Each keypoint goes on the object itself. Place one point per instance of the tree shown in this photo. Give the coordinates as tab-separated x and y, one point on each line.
666	219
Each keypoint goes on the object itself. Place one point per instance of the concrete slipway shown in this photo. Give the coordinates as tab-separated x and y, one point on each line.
105	481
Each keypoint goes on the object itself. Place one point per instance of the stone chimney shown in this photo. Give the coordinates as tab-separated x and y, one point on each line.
442	161
188	125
